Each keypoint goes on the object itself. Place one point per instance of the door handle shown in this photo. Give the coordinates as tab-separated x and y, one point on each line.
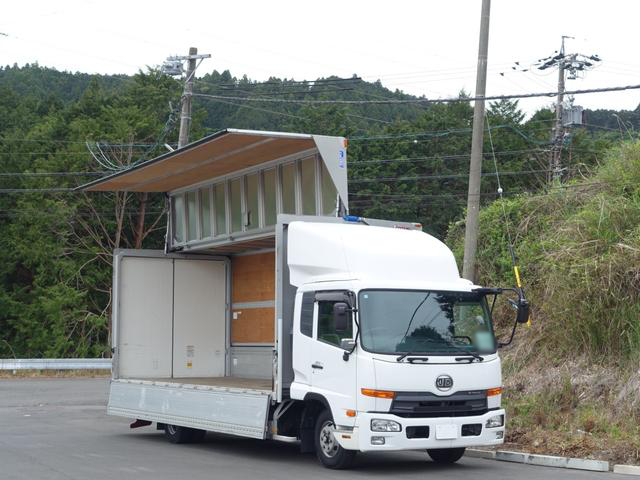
317	366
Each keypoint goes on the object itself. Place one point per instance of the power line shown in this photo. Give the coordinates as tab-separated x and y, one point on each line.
53	174
551	191
363	180
423	137
361	138
422	100
28	140
443	176
352	164
290	115
465	156
37	190
60	152
368	118
297	83
448	132
312	91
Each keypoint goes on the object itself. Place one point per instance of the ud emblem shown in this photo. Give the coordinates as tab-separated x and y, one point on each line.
444	383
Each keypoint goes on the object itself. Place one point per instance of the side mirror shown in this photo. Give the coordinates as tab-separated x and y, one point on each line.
522	315
341	316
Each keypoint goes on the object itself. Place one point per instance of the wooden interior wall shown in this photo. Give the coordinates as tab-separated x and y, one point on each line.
253	280
253	325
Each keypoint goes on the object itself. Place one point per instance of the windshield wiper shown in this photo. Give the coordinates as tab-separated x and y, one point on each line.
469	354
413	315
471	358
406	354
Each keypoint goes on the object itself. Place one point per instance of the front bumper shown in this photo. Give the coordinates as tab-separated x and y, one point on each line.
360	437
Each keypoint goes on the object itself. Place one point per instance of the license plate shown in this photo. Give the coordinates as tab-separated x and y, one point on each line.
446	432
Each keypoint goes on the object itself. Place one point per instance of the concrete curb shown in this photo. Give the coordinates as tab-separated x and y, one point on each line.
475	453
550	461
627	469
584	464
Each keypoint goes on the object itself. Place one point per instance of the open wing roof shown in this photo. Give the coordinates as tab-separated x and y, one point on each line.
222	153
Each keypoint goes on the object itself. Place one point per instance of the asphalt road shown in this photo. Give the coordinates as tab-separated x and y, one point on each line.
57	429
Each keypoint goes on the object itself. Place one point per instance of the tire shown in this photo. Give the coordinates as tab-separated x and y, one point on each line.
328	450
446	456
177	434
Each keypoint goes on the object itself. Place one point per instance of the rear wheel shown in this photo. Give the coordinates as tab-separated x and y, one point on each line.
446	455
177	434
328	450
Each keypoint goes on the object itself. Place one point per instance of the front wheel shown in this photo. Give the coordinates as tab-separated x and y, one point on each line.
177	434
446	455
328	450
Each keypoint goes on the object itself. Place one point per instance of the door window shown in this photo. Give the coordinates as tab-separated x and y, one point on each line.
289	188
326	326
219	204
205	211
270	210
252	217
236	205
308	186
192	211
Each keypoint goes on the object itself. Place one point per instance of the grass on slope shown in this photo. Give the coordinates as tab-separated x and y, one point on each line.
573	379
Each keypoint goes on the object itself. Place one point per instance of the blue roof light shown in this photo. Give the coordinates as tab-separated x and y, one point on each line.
351	218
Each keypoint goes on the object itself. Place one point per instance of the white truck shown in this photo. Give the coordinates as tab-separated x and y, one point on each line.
341	333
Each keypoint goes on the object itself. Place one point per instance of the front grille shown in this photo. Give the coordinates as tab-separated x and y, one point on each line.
429	405
418	432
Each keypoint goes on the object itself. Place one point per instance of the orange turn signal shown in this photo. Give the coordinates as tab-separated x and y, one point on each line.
369	392
351	413
492	392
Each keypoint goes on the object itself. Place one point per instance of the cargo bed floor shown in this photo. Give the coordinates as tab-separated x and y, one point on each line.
229	382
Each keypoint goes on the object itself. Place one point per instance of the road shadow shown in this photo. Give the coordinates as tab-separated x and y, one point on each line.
246	450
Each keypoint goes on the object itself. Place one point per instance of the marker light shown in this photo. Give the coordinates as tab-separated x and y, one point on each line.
369	392
492	392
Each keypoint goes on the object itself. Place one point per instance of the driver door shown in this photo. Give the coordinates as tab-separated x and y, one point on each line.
332	376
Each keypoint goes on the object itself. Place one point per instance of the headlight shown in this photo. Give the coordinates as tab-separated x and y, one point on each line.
379	425
495	421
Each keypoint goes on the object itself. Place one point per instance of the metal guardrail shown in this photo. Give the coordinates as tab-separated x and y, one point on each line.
55	364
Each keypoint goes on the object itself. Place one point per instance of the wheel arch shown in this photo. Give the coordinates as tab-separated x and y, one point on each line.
314	404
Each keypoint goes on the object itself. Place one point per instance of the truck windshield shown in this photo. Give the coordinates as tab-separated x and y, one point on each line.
420	321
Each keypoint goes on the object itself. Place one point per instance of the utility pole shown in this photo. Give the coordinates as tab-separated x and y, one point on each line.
558	131
570	67
185	115
477	140
174	66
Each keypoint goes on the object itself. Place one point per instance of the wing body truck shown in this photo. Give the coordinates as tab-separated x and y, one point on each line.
272	314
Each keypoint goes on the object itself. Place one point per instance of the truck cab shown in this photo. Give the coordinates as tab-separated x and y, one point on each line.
415	363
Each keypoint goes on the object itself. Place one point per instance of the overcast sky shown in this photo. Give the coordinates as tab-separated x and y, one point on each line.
421	47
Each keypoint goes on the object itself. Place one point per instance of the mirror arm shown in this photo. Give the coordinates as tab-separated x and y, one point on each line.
346	355
493	304
513	332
